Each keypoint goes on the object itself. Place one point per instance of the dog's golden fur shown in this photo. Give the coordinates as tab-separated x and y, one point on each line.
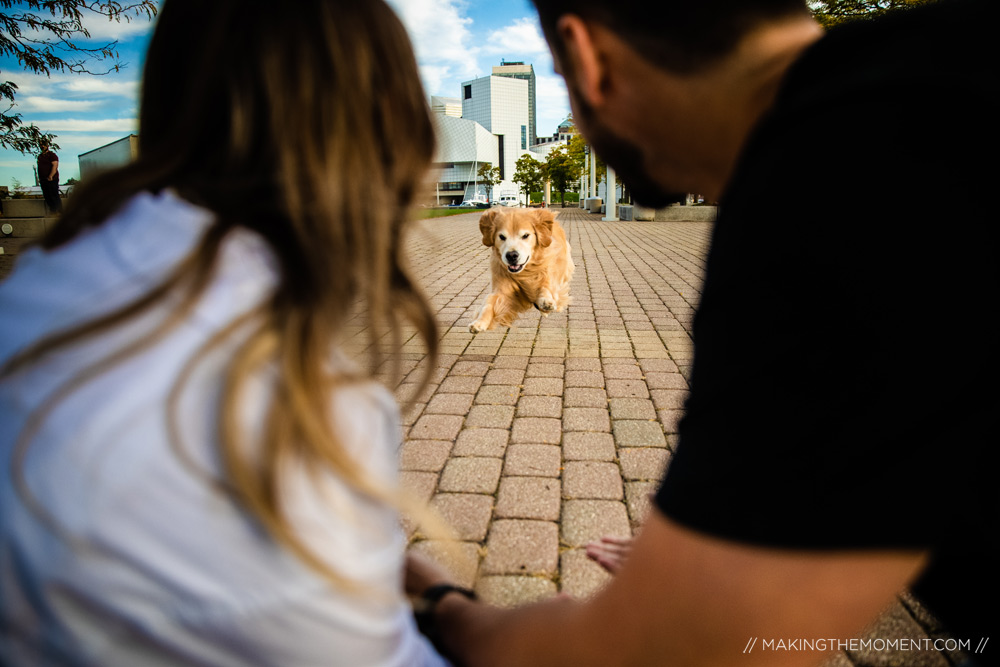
542	282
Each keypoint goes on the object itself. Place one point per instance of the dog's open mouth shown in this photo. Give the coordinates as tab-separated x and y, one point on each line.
516	268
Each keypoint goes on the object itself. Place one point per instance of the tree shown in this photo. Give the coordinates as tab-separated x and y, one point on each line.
529	172
561	170
41	35
832	12
488	176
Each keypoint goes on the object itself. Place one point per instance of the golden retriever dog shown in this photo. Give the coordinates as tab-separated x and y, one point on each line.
530	265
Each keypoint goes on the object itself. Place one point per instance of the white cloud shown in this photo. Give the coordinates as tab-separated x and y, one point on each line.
523	37
442	40
50	104
75	85
123	125
103	30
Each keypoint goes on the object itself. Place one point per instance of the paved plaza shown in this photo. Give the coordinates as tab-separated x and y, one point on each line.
534	440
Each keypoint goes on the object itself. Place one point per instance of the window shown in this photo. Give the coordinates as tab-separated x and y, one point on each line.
524	137
500	147
467	91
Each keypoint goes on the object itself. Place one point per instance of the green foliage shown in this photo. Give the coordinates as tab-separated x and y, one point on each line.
40	35
528	173
833	12
561	170
489	176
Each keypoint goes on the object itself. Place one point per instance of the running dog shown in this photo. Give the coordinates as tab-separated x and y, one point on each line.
530	265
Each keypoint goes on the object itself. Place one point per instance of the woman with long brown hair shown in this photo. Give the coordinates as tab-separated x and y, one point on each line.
193	472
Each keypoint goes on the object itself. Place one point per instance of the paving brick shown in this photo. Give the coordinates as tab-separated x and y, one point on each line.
579	364
409	414
539	406
666	381
504	376
510	591
449	404
584	446
533	460
471	475
668	399
543	387
643	463
460	384
632	408
896	623
511	361
461	559
584	521
518	546
669	419
536	430
627	389
418	484
426	455
586	419
637	499
468	513
490	416
490	442
592	479
584	379
585	397
478	368
497	395
636	433
613	371
580	577
411	391
529	498
536	370
436	427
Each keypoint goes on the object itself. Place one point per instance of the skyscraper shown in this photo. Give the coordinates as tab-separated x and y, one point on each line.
518	70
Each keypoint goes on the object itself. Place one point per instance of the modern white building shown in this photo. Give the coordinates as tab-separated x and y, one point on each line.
500	104
446	106
518	70
462	145
492	121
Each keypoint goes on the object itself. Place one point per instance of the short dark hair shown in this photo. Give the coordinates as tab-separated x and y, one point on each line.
678	35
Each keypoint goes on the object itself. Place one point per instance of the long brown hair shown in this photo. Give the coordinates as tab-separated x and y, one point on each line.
308	125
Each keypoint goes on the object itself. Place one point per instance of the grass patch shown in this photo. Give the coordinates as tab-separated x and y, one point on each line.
424	213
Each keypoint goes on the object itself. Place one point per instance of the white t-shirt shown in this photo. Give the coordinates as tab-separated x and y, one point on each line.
151	565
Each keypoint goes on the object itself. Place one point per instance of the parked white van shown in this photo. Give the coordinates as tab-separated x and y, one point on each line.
509	200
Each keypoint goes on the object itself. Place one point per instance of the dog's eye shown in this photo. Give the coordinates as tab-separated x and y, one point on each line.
503	238
526	235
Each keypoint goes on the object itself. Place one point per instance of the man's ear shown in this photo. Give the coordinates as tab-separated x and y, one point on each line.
580	60
487	224
543	227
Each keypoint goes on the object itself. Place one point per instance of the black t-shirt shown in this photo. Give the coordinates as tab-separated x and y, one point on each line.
45	161
844	392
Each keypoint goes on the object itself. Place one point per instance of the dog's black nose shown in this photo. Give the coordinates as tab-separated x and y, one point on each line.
512	257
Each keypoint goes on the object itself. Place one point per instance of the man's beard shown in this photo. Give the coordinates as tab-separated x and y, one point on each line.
626	159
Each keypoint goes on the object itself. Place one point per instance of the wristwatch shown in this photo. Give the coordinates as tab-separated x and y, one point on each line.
425	606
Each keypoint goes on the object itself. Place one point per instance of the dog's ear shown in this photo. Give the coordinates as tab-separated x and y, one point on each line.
543	226
487	225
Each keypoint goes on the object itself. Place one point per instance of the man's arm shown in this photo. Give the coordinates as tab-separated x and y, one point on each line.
55	168
683	598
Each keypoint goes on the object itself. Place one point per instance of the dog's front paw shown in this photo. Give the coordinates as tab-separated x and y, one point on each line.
545	304
477	326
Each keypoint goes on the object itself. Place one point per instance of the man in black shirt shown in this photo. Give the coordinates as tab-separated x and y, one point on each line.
48	178
853	171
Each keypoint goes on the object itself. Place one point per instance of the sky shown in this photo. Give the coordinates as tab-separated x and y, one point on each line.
455	40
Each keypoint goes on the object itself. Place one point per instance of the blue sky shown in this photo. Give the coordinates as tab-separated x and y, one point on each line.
455	40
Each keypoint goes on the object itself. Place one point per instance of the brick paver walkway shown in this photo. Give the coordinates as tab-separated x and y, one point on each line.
535	440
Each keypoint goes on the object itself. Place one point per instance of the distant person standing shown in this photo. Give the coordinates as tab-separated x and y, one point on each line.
48	178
